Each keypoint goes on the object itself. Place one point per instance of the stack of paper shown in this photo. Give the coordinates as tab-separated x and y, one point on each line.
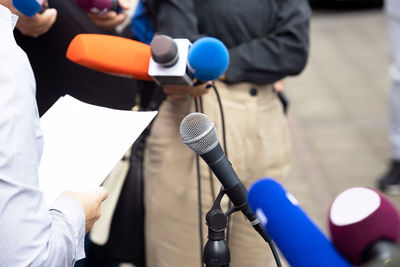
83	143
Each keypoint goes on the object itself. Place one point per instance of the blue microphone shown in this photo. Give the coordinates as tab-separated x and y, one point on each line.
177	61
29	7
208	59
298	238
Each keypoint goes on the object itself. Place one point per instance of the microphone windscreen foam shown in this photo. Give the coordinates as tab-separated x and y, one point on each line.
111	54
208	58
97	6
295	234
360	216
28	7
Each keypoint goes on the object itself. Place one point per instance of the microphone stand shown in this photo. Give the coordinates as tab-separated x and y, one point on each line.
216	251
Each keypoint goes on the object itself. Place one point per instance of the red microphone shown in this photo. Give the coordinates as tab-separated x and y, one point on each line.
365	227
98	6
111	54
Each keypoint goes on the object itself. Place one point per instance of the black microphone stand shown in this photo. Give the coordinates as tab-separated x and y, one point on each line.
216	251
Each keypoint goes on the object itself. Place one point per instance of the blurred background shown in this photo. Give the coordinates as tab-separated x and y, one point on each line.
339	106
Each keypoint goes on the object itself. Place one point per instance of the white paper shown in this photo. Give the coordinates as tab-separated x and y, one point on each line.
83	143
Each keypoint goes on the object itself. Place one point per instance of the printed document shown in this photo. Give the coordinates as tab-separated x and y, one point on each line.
83	143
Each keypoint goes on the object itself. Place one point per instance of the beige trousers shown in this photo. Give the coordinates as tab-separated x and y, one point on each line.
258	146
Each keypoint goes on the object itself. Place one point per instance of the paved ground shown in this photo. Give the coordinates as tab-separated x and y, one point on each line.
339	112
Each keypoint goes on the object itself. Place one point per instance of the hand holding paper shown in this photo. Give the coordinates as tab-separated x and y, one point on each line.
82	144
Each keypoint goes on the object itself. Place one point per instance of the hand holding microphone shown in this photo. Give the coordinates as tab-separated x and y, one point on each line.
167	61
35	18
184	91
106	14
207	60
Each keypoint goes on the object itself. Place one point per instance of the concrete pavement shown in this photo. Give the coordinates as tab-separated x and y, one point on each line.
339	109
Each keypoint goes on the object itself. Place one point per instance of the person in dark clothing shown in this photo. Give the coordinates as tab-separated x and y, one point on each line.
267	41
56	75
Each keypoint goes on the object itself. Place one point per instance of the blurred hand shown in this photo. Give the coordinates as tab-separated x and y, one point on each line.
6	3
33	26
38	24
182	91
111	19
90	202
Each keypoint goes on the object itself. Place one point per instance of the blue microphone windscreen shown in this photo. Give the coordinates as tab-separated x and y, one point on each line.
208	58
27	7
297	237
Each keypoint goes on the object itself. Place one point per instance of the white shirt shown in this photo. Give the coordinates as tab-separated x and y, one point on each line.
30	234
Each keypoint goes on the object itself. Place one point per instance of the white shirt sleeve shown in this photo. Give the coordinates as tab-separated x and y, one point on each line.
30	234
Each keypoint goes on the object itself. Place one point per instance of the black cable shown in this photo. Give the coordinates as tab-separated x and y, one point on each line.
196	105
222	118
271	244
225	149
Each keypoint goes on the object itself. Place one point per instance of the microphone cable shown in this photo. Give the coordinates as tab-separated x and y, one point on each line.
198	104
199	108
225	149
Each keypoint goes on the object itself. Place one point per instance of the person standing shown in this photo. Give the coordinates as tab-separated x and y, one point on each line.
30	234
390	181
267	41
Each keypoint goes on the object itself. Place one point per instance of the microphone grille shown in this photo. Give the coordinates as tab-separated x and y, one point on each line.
198	133
164	50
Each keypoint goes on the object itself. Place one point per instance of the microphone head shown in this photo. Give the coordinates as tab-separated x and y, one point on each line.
97	6
29	7
208	58
111	54
164	50
359	217
198	132
296	235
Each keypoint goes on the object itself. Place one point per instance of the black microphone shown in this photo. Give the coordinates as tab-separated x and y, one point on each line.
168	63
199	134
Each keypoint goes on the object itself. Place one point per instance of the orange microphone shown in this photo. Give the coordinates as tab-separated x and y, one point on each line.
111	54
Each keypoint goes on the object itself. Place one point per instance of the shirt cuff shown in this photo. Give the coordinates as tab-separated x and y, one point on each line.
75	215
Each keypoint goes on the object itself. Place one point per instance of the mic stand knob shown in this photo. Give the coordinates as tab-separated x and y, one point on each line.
216	251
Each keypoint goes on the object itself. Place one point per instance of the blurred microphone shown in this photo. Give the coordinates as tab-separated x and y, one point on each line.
111	54
208	59
177	61
167	60
297	237
168	63
30	7
98	6
199	134
365	227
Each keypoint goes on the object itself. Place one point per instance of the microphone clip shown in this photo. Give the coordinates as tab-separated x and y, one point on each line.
216	251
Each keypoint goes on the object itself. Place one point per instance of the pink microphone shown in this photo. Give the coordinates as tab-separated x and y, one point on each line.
365	226
98	6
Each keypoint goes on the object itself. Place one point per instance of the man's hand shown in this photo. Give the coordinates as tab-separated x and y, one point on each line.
90	202
183	91
111	19
38	24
